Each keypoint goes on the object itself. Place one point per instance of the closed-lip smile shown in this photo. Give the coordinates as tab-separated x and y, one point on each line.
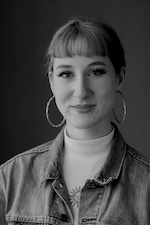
83	108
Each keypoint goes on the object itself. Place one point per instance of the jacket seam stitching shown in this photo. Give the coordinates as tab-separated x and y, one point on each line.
138	158
28	152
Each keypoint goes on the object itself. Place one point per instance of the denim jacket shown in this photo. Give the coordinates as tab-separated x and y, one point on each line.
33	192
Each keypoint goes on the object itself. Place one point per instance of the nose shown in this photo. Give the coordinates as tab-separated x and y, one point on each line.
82	88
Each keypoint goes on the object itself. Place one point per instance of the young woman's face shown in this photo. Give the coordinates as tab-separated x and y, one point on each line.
84	90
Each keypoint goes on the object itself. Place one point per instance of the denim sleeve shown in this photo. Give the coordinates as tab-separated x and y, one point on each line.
2	202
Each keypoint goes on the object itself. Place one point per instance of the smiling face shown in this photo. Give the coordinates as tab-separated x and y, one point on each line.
84	90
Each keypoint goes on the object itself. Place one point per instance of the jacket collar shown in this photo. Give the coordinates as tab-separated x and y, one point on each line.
115	159
51	166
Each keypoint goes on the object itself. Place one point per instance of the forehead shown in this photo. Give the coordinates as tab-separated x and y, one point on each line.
80	62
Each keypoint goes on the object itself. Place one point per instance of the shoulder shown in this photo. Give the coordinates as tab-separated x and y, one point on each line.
137	163
34	158
34	153
23	168
138	156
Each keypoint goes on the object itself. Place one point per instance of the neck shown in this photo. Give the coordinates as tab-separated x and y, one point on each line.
94	132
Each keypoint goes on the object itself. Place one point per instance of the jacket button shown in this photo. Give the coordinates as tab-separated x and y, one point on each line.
64	218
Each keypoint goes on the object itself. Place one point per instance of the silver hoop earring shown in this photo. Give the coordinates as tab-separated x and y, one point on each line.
47	114
124	109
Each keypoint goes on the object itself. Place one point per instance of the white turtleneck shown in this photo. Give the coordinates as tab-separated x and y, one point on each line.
82	161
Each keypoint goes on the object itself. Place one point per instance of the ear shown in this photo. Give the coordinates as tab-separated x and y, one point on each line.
50	77
121	79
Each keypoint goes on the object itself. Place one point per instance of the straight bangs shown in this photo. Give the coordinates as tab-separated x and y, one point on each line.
86	37
78	42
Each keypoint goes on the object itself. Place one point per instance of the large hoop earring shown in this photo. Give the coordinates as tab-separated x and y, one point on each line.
47	114
124	109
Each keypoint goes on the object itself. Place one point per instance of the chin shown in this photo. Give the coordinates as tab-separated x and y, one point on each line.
80	124
89	122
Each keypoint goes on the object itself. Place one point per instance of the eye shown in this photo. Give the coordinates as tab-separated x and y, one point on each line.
97	72
65	74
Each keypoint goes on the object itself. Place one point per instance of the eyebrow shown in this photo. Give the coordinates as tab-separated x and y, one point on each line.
91	64
97	63
63	66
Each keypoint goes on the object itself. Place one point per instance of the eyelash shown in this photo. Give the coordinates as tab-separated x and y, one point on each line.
65	72
101	71
68	73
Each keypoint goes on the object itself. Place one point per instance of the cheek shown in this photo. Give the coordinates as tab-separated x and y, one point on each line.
106	93
58	88
62	97
107	88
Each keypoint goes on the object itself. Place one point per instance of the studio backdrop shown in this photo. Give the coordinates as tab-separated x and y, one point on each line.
26	29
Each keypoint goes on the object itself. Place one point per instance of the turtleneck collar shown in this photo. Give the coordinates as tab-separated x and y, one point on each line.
87	149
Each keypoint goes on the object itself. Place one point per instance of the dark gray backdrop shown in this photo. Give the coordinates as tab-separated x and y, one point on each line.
26	29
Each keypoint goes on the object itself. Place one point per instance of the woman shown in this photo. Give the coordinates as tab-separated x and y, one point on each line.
88	174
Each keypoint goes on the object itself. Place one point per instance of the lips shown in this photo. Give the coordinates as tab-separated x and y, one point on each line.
83	108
